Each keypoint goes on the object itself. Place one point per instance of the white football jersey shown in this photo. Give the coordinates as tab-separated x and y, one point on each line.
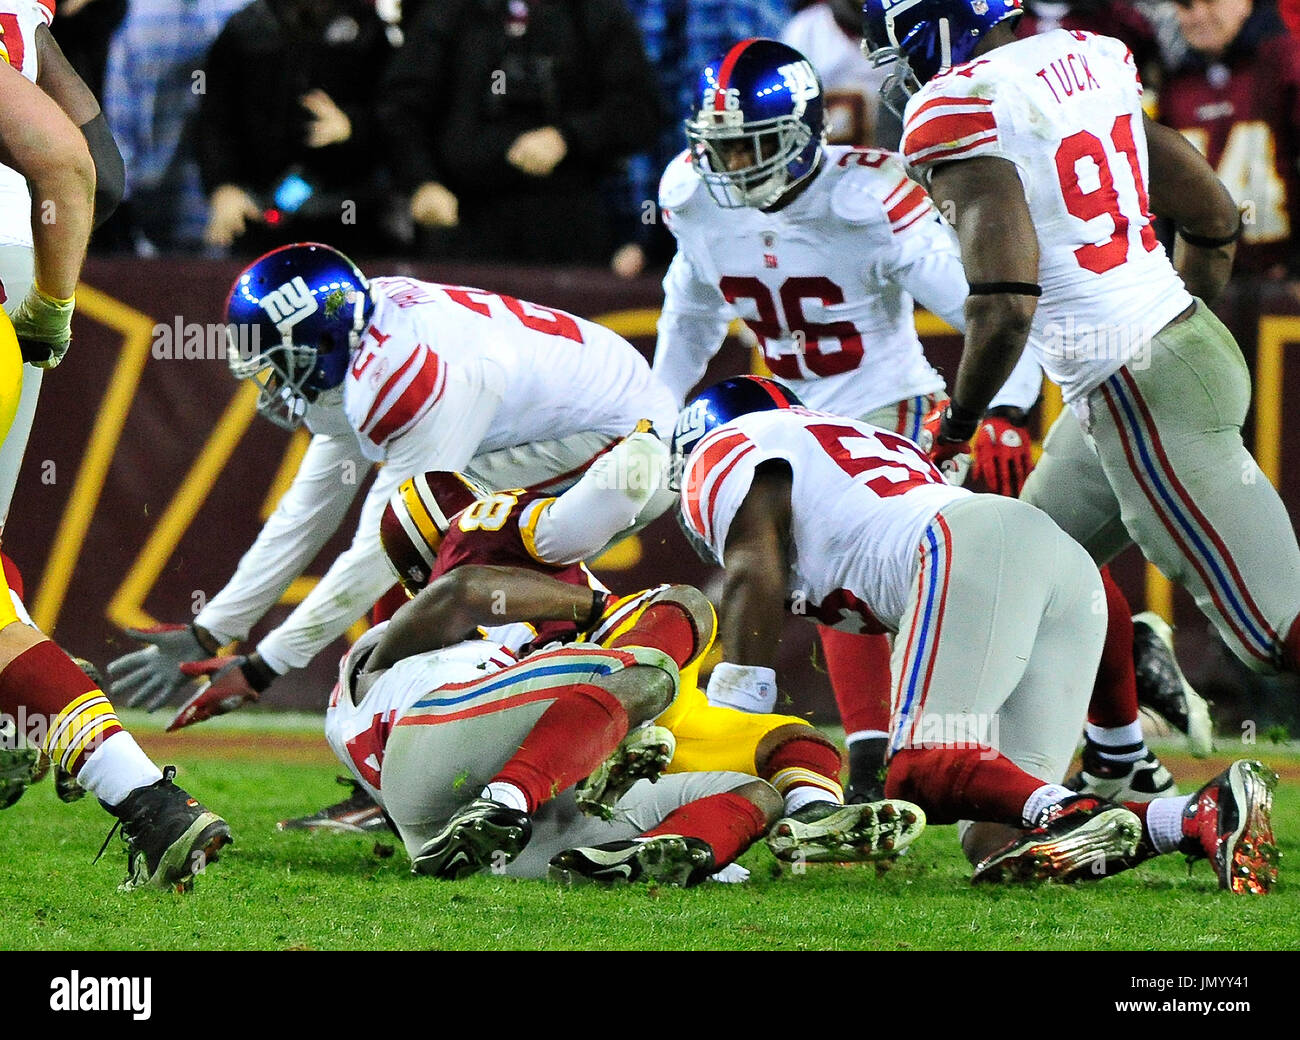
821	282
18	22
358	733
1065	108
553	374
862	499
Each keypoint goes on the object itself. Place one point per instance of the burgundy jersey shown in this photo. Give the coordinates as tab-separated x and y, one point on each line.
1120	20
1243	114
498	531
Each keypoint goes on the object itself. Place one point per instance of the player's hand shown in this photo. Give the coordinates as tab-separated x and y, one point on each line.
432	205
149	678
538	152
1003	456
231	683
43	324
950	454
229	211
329	123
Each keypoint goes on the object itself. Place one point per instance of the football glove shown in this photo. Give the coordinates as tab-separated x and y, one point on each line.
231	683
43	325
948	450
149	678
743	687
1003	459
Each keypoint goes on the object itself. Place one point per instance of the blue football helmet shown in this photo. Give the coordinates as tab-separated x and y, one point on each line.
719	404
293	319
926	37
760	104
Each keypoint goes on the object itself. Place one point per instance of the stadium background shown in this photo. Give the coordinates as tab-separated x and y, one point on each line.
148	475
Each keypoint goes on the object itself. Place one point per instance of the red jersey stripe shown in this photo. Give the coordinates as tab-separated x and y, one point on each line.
947	131
392	382
421	394
700	468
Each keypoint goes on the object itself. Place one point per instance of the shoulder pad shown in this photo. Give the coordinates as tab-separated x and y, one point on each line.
678	183
865	178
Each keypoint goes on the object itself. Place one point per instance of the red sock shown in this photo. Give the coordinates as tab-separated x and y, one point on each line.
804	760
859	673
1114	695
56	704
13	576
953	784
664	626
573	736
729	823
387	604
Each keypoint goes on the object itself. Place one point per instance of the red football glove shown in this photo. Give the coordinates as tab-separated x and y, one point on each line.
950	455
1003	459
232	683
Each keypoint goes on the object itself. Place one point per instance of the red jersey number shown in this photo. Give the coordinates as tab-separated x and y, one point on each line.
807	334
893	468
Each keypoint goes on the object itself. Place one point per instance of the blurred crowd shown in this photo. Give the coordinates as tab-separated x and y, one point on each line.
535	131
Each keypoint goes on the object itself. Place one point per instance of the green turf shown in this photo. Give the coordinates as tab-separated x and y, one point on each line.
297	891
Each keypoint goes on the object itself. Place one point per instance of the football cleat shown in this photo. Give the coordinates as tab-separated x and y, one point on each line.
665	859
643	755
17	768
1081	839
169	836
356	814
1139	781
482	834
827	832
1162	687
1228	822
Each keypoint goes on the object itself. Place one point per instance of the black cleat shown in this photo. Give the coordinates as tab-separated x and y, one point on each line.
483	834
1162	687
169	836
1139	781
866	771
356	814
18	766
665	859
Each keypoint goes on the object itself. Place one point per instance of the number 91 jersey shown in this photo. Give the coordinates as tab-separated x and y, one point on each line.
862	498
1064	107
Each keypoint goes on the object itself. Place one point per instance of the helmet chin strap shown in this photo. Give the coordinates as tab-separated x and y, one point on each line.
945	45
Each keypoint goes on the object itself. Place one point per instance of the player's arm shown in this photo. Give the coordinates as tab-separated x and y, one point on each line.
692	327
999	250
60	80
1185	189
451	608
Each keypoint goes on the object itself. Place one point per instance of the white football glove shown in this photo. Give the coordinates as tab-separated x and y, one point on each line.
744	687
149	678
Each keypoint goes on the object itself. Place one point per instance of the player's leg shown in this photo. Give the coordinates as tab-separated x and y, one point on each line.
17	272
678	830
1169	438
1070	485
995	578
568	709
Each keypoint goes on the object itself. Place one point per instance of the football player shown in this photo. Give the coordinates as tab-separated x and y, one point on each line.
28	47
54	706
1052	172
407	373
764	214
435	524
997	633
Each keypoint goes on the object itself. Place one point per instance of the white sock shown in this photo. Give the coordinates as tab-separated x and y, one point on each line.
1118	743
865	734
1046	796
506	794
1165	821
116	768
805	794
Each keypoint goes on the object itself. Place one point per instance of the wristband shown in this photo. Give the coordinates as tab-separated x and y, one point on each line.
1208	242
958	423
599	600
258	674
1014	288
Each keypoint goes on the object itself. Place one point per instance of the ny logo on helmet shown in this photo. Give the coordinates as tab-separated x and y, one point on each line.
800	80
289	304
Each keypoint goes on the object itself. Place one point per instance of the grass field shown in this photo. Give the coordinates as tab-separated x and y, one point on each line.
297	891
